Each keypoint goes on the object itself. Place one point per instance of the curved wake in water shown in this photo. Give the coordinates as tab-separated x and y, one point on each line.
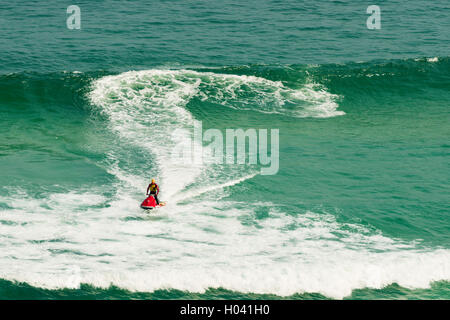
215	242
145	108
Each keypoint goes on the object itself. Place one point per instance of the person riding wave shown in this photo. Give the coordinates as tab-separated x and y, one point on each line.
154	190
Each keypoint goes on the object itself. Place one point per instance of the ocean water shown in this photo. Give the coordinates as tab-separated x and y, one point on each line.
359	208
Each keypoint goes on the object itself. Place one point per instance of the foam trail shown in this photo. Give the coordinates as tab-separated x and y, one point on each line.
197	192
147	109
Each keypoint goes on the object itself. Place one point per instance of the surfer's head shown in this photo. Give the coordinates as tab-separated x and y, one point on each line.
153	180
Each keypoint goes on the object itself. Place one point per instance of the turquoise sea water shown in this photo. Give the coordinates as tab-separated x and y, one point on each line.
358	209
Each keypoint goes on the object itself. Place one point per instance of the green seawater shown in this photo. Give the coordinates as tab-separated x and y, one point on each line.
357	210
86	292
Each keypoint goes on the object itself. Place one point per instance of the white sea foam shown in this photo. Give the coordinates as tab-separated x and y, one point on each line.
209	245
432	59
177	87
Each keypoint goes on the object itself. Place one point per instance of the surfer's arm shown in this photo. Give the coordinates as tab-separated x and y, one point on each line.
148	188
